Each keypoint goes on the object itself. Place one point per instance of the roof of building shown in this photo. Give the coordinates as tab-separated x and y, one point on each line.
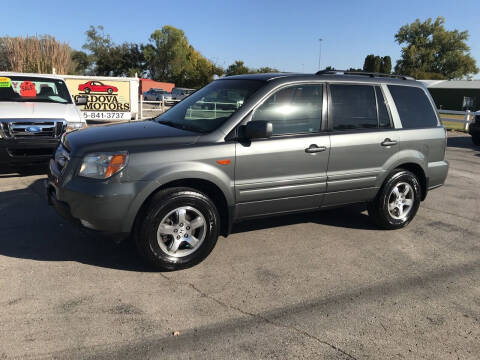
452	84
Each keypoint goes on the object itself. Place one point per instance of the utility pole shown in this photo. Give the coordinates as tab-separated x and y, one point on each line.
320	53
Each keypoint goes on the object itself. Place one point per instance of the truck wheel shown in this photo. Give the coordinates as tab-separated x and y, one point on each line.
476	139
110	91
87	90
397	202
177	229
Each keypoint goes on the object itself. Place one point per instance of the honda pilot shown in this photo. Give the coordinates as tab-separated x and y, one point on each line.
253	146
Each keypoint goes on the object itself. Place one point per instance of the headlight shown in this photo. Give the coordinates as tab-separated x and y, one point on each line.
75	125
103	165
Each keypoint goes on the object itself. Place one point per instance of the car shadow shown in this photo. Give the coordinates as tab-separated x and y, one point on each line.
10	172
30	229
463	142
352	216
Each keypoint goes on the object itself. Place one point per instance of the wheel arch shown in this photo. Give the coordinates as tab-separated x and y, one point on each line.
209	188
419	173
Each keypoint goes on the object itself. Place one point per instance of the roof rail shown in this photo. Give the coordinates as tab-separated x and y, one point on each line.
363	73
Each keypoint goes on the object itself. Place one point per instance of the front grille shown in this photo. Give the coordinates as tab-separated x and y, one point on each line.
33	128
30	152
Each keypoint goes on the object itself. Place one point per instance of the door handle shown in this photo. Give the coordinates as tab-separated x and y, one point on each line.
388	142
314	148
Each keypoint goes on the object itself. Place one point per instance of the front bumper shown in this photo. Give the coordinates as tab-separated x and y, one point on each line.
28	151
97	205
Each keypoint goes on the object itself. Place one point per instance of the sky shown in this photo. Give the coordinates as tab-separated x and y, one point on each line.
280	34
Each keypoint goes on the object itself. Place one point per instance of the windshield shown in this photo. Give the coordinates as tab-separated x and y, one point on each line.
33	89
211	106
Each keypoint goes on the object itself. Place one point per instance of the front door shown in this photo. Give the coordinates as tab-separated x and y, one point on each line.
363	142
288	171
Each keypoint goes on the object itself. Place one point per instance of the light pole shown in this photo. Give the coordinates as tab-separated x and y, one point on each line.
320	53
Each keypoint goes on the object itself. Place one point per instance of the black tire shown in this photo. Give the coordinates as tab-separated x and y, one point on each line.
159	206
110	91
476	139
378	208
87	90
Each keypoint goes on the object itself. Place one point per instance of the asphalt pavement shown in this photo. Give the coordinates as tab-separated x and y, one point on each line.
324	285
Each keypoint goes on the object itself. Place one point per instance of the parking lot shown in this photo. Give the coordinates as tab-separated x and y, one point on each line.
325	285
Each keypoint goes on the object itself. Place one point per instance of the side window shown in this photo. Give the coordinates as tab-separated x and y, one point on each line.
413	106
353	107
383	116
293	110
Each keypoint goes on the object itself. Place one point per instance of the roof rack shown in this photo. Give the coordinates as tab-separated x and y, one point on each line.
362	73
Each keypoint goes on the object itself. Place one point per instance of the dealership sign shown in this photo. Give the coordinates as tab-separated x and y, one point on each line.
107	100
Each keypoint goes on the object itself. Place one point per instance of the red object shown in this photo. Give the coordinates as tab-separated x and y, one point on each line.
224	162
147	84
27	88
97	86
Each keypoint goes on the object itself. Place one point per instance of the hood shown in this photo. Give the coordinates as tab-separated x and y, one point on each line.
126	136
39	110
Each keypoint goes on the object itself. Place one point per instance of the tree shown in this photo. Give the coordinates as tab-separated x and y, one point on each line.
238	68
80	62
40	54
109	59
170	57
431	50
386	66
267	69
377	64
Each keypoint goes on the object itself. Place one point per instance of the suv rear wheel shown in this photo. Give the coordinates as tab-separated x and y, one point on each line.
397	202
177	229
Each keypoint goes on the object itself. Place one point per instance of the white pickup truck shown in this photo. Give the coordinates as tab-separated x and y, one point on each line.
35	111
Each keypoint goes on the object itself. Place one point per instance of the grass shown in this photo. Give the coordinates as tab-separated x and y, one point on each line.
452	125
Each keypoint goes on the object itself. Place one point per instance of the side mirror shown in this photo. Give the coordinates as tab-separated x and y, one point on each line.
258	129
81	100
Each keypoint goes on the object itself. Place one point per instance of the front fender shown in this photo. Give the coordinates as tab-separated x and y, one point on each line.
221	176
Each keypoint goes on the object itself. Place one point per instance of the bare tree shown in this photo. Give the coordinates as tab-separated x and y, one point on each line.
38	54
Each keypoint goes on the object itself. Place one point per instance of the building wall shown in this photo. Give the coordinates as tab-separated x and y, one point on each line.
147	84
452	99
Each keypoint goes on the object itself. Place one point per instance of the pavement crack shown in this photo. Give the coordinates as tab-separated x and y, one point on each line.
262	318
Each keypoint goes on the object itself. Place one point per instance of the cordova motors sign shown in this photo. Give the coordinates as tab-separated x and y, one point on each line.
106	99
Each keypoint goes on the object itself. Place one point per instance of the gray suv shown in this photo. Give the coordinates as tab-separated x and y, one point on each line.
266	144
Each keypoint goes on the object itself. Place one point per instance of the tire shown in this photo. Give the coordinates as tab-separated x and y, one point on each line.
173	250
87	90
476	139
110	91
385	208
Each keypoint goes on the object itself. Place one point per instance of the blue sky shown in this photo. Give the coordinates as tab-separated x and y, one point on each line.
281	34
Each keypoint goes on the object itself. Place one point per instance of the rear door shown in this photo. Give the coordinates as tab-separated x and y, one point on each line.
363	142
288	171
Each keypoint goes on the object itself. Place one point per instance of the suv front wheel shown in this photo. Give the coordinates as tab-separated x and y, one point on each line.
397	202
177	229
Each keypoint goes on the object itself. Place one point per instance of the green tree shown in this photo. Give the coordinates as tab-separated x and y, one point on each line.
386	66
238	68
170	57
108	59
431	50
267	69
369	63
80	62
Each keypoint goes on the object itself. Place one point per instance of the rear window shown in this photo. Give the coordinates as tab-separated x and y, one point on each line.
413	106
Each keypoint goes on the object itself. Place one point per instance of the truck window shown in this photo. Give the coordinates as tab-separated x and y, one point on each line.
413	106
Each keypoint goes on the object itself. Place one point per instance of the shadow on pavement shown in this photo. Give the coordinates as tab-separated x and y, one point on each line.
10	172
463	142
30	229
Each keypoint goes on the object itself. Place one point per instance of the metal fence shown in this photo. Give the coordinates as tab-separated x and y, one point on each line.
468	117
148	109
